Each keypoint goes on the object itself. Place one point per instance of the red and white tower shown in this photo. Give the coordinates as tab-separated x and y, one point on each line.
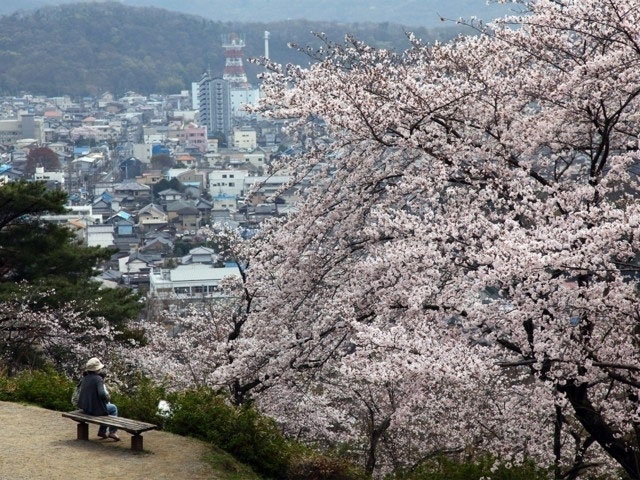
233	68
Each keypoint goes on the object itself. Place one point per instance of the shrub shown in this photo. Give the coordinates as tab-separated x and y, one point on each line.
313	466
257	441
140	400
243	432
46	388
444	468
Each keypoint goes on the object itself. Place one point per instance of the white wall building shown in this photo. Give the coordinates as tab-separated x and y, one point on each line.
142	151
194	281
194	96
245	139
100	235
241	97
43	176
227	182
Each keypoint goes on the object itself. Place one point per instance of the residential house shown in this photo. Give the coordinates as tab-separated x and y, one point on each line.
131	168
101	205
185	159
205	207
133	189
169	195
123	223
159	245
150	178
183	215
200	255
151	216
135	267
193	178
223	201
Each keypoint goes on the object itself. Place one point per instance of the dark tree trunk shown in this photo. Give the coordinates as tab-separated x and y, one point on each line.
376	435
557	444
592	421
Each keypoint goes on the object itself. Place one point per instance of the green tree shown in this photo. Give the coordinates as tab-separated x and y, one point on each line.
49	258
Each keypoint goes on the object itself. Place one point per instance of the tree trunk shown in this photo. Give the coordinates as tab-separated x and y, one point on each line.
593	423
376	434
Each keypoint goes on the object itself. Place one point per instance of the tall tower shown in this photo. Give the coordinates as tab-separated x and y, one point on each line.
266	44
233	68
214	100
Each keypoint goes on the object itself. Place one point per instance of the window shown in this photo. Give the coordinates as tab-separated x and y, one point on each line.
230	176
224	176
181	290
232	184
212	288
199	289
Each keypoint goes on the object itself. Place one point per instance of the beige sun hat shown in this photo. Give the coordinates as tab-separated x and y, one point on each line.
93	365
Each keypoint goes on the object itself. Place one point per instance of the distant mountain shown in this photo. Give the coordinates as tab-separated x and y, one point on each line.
89	48
425	13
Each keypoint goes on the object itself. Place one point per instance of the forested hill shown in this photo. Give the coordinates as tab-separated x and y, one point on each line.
88	48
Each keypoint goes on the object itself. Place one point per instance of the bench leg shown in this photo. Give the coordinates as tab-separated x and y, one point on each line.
136	443
83	431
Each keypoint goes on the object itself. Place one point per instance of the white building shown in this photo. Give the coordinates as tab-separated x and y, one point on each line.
245	138
74	212
241	97
100	235
43	176
194	96
267	185
24	127
142	151
227	182
192	281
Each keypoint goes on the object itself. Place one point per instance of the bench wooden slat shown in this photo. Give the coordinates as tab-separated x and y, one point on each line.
111	421
128	427
131	426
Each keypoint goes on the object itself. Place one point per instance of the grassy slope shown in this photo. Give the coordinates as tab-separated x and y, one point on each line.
228	468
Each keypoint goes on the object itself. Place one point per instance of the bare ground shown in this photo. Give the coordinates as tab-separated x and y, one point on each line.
39	444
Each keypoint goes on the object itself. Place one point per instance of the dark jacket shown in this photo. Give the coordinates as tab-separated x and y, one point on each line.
93	397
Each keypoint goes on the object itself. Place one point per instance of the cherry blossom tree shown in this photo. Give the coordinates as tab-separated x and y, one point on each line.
462	271
31	333
488	185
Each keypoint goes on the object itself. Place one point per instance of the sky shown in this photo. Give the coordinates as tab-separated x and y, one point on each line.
426	13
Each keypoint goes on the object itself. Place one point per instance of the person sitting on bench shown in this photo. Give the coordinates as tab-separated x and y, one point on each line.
94	398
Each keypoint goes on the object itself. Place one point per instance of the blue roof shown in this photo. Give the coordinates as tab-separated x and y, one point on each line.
81	150
123	214
107	196
5	168
224	196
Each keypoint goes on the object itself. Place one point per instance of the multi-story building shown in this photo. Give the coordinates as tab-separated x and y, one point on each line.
241	97
227	182
245	138
215	105
26	126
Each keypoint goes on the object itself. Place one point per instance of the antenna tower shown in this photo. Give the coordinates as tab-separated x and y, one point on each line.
233	67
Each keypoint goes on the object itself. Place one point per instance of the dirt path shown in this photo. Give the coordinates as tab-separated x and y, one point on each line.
39	444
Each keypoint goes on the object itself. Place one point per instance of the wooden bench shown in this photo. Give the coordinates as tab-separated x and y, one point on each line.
133	427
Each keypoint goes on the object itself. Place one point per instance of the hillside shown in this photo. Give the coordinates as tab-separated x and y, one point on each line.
407	12
40	444
89	48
